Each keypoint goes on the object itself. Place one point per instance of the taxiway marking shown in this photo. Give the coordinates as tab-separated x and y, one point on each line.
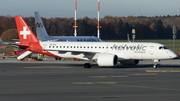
107	76
87	83
84	83
116	84
145	74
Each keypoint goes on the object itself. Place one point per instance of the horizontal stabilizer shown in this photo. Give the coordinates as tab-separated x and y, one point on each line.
23	46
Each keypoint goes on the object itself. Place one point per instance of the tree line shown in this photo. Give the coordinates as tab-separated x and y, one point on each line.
112	28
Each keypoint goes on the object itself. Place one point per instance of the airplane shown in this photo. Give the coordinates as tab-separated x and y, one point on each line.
43	36
103	53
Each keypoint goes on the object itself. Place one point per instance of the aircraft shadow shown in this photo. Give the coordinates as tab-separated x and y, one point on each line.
128	66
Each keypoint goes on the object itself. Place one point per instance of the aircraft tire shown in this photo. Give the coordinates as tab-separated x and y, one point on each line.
155	66
87	65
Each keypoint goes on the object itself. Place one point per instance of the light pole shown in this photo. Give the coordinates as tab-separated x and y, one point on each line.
174	36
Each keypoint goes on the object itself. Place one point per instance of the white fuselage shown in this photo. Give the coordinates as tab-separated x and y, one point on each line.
123	50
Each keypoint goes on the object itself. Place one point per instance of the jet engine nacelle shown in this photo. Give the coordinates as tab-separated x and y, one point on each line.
130	62
107	60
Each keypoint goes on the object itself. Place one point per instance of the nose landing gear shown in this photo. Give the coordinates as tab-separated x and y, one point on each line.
155	63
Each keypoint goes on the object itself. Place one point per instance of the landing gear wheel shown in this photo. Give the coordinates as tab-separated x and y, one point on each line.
87	65
155	66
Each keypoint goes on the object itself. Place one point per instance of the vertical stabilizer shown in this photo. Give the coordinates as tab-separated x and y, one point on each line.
40	29
24	32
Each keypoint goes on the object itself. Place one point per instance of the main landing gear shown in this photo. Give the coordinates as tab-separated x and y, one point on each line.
89	64
155	63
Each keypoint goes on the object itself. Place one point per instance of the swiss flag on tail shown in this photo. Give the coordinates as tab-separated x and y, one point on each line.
24	32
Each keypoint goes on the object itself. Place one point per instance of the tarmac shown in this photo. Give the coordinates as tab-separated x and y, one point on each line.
67	80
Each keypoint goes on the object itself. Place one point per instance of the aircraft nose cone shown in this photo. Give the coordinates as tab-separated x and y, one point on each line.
173	55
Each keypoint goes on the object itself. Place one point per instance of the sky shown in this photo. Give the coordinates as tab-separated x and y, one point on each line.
65	8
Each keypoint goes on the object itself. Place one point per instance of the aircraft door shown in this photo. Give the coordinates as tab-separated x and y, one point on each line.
151	50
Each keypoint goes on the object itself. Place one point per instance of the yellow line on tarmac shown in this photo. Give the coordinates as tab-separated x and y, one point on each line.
146	87
116	84
174	71
145	74
118	76
99	76
107	76
84	83
64	67
162	71
107	82
33	67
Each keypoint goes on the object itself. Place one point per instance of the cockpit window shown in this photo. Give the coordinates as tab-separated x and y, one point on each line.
163	47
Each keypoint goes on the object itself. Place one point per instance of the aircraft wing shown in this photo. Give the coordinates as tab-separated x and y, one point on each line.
73	51
88	54
15	44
